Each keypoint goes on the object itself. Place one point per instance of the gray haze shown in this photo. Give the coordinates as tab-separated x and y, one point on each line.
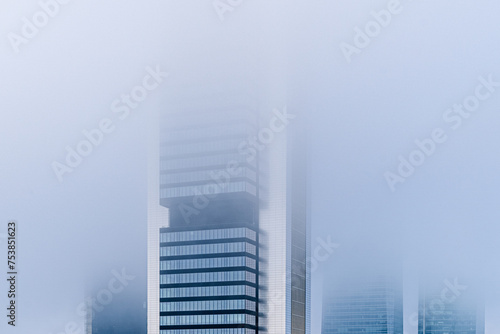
361	115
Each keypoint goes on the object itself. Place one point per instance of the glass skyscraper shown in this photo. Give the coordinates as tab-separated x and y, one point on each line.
363	303
113	307
228	234
450	306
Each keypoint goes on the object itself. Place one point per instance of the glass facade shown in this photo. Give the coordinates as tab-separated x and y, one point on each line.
123	312
201	235
200	154
233	247
209	253
285	233
299	232
208	277
364	305
210	331
209	305
236	234
448	306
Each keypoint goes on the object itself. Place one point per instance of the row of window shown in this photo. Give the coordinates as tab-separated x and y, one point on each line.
202	133
366	299
201	147
226	276
298	254
208	291
212	175
209	160
207	319
208	305
209	331
452	327
209	189
298	296
360	318
229	247
362	308
228	233
299	324
218	262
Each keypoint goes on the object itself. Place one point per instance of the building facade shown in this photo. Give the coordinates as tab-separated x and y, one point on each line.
116	307
363	304
450	306
230	227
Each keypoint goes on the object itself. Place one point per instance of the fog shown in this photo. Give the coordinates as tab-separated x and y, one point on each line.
364	109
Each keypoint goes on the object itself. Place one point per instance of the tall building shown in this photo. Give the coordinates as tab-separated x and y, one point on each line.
363	303
229	222
450	306
116	305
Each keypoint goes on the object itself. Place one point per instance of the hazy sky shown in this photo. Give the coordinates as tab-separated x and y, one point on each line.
363	115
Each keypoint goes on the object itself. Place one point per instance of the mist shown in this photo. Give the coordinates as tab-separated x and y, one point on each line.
365	112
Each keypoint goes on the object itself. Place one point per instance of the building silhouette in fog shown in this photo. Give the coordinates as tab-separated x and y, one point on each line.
362	303
115	305
450	305
228	229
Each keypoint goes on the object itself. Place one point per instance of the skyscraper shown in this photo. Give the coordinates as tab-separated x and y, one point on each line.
231	216
363	303
450	306
115	304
